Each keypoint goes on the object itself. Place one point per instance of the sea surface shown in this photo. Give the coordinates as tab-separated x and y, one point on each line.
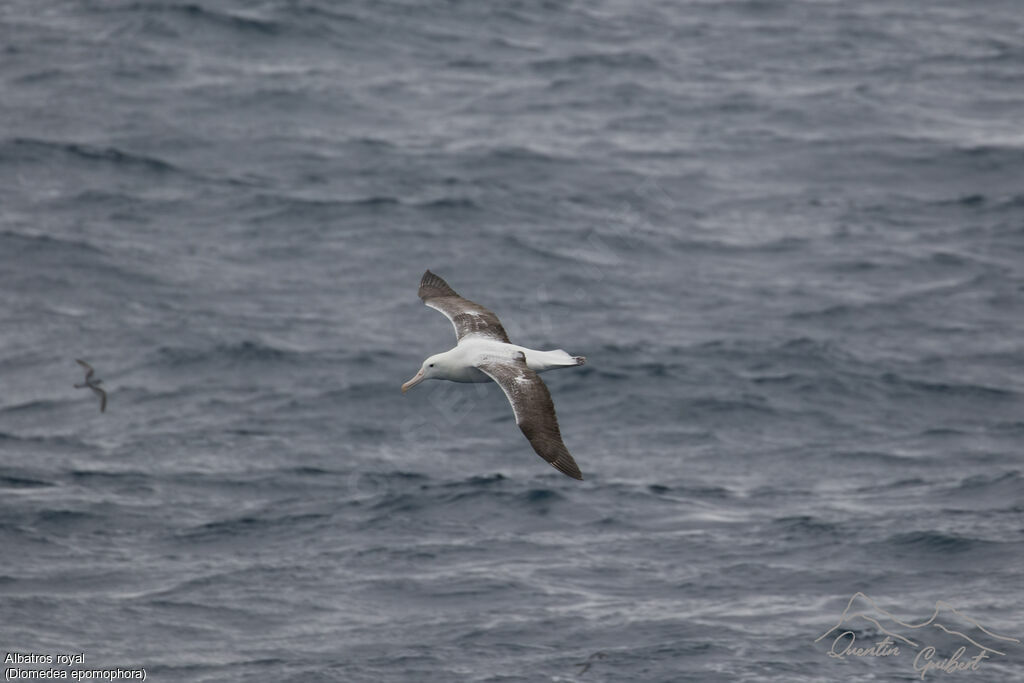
788	237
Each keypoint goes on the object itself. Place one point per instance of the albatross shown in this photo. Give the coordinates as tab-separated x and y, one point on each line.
483	353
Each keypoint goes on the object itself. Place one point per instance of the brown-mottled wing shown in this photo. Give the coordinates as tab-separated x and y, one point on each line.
469	319
533	408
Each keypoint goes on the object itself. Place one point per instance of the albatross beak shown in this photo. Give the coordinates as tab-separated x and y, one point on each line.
414	381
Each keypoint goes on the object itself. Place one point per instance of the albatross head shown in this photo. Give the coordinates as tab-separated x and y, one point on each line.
431	368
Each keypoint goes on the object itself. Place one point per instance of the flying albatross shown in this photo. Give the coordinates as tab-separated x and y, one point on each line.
484	353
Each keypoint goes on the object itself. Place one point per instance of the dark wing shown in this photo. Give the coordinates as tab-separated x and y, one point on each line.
103	399
88	368
534	409
469	319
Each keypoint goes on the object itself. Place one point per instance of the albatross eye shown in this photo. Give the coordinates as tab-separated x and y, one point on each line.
431	365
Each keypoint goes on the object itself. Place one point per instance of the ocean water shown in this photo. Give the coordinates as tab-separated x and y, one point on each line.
788	236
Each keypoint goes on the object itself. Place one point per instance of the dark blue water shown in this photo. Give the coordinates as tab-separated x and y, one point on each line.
788	236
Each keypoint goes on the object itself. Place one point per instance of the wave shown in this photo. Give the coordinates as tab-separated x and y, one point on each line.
913	482
497	157
1010	479
49	150
707	492
496	490
67	442
88	476
364	201
966	390
39	404
29	242
805	526
730	406
934	542
18	482
197	15
62	263
242	352
625	60
984	203
870	457
64	518
894	304
987	491
448	203
249	525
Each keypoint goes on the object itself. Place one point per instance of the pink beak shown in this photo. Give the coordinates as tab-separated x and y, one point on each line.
413	382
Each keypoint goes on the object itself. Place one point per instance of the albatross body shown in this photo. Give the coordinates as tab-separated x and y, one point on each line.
483	354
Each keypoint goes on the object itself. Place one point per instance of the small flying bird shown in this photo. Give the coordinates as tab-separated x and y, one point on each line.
484	353
93	384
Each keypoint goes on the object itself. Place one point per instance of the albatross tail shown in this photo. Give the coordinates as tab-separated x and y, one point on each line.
548	360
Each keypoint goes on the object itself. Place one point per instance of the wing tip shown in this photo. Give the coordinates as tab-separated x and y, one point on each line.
432	285
567	466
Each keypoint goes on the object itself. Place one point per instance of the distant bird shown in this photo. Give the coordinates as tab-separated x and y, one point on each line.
590	660
484	353
93	384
